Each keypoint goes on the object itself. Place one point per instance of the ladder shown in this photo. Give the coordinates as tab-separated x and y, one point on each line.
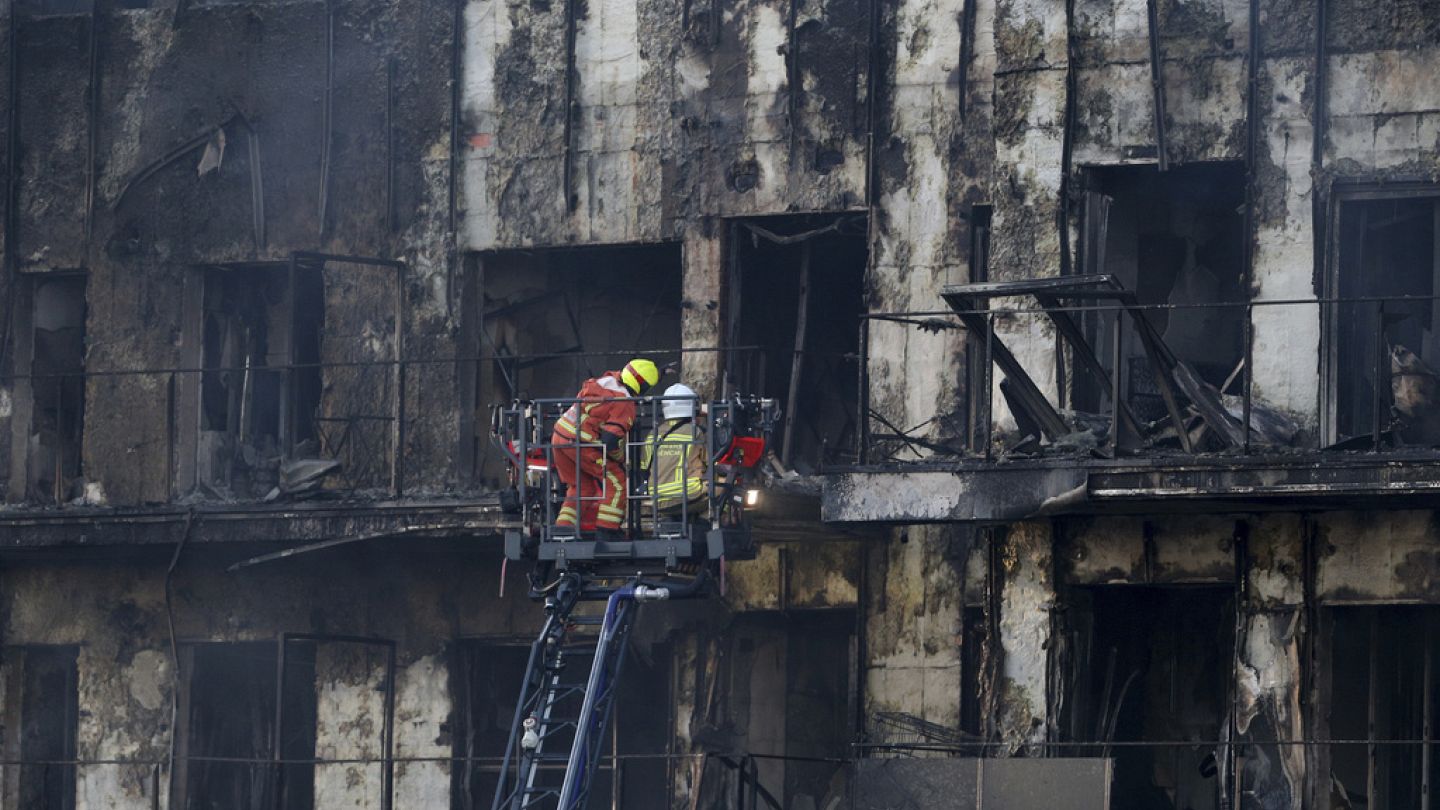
558	731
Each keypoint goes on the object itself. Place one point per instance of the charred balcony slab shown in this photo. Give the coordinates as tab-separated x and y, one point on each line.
976	492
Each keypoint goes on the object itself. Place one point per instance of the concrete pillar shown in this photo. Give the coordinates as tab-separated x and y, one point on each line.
1268	675
1027	595
700	327
913	625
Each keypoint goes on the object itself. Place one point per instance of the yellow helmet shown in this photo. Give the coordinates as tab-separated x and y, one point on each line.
639	374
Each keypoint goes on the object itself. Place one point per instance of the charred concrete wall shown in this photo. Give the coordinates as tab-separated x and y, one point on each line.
733	665
328	128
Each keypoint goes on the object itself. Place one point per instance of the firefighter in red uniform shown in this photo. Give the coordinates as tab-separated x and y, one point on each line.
590	443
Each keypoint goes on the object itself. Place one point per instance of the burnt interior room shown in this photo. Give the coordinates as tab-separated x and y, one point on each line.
488	674
549	319
797	288
1385	246
255	409
57	347
1381	687
1151	664
1172	238
227	721
41	711
783	691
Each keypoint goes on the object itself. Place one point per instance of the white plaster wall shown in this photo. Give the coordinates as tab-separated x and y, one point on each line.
349	724
1287	338
1027	597
610	145
422	707
487	32
915	657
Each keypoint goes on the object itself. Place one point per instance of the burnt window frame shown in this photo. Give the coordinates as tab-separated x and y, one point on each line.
22	327
485	380
17	658
1341	192
1320	713
748	371
180	777
465	648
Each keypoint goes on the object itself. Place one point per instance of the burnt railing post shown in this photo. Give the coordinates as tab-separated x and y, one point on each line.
987	419
1381	373
1249	378
862	442
397	450
1117	376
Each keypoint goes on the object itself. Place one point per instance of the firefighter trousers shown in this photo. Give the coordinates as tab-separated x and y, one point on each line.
594	488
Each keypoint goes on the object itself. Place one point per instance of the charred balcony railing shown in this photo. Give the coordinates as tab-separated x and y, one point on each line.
1374	389
358	442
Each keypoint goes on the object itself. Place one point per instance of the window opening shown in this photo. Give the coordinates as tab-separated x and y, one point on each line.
1385	246
41	710
1381	687
228	722
249	400
557	317
1172	238
58	389
800	299
1151	664
488	675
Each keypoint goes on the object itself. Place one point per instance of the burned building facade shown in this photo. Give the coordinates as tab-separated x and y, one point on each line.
1102	331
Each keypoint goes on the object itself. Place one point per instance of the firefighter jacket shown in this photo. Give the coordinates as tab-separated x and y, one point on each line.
674	455
604	407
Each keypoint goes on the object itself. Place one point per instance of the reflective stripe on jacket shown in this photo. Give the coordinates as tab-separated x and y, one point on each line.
675	457
608	410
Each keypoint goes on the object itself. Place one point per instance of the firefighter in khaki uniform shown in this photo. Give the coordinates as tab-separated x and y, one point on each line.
674	455
590	445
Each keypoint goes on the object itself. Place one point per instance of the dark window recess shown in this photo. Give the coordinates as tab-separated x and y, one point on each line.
1173	238
980	218
58	386
229	714
801	304
53	8
557	317
41	710
488	676
1382	686
1387	248
819	700
1150	665
260	390
972	672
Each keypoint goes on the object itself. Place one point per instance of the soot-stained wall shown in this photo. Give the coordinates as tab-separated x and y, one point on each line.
369	177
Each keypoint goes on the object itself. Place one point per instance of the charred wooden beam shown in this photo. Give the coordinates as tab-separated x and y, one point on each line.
92	124
10	271
1067	137
797	360
967	53
1157	85
327	115
792	76
873	85
457	39
571	111
390	152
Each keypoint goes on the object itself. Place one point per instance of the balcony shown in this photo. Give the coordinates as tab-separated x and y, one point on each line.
1125	422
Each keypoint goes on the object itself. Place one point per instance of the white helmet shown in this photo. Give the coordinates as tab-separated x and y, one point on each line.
679	408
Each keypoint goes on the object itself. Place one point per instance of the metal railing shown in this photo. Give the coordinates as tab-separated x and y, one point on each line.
363	418
1234	414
